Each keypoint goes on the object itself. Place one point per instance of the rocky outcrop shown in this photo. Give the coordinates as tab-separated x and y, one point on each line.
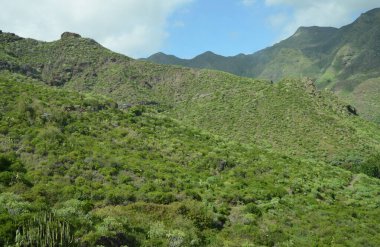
22	69
309	86
67	35
8	37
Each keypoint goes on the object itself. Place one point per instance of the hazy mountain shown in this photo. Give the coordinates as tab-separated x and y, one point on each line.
346	60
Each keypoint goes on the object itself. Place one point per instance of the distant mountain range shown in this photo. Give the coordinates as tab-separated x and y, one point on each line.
346	60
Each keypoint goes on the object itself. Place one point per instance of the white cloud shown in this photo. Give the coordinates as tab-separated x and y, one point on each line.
333	13
248	3
134	27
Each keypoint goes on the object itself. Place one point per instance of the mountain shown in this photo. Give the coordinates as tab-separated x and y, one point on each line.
98	149
290	117
346	60
77	171
208	60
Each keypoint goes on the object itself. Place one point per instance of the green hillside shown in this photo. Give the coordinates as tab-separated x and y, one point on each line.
341	59
77	170
290	117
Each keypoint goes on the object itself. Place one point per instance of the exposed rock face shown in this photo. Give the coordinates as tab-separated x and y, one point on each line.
310	86
23	69
66	35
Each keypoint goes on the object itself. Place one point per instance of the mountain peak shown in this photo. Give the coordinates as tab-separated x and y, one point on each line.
375	11
158	55
313	30
161	55
370	16
8	37
208	53
66	35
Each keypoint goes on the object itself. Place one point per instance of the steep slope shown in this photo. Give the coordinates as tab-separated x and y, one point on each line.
339	59
290	117
77	171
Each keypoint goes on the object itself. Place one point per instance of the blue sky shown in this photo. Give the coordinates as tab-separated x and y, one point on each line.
231	27
222	26
185	28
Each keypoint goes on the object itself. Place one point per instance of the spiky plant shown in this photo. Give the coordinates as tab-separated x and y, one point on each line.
45	230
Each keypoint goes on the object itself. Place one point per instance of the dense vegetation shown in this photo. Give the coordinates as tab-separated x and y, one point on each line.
290	117
98	149
346	60
76	170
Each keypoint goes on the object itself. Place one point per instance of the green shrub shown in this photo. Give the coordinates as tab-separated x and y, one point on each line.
6	178
7	229
6	161
252	208
371	167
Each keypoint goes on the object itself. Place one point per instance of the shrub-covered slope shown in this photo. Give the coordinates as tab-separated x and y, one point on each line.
76	170
321	52
290	117
341	59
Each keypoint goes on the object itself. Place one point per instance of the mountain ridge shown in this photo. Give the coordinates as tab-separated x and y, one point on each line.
287	117
340	59
98	149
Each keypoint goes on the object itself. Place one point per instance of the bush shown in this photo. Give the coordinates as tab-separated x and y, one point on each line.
7	229
6	178
251	208
160	197
372	166
5	162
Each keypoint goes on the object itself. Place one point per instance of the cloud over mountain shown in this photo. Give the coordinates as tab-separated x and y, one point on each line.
333	13
133	27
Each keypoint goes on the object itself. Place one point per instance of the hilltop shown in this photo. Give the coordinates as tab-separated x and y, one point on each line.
345	60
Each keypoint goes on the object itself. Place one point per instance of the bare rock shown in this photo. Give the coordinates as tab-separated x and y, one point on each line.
66	35
310	86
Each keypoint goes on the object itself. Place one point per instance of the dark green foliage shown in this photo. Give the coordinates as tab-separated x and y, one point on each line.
7	229
371	167
253	209
5	162
11	170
